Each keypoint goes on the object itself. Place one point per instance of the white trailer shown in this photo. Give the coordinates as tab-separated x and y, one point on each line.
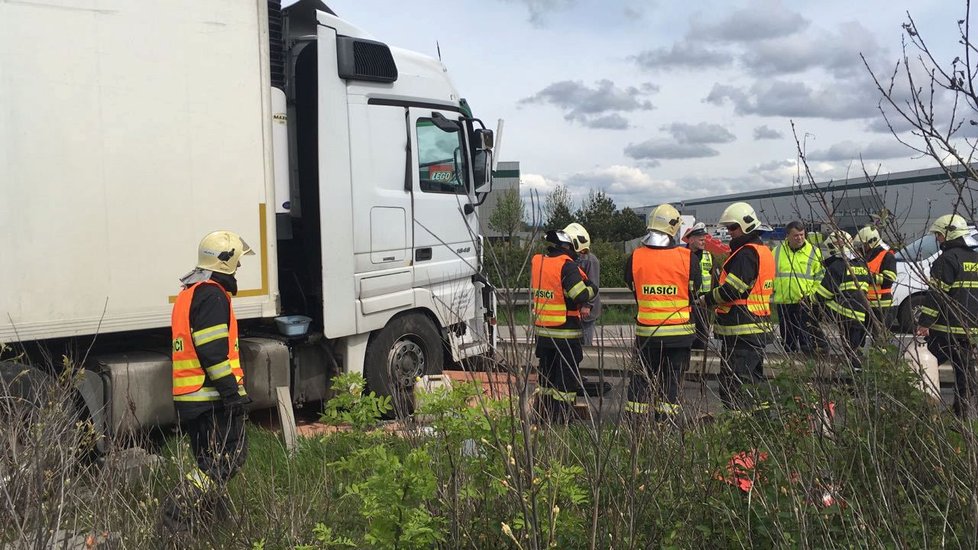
128	131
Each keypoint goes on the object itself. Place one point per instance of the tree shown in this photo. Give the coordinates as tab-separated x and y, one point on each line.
628	225
507	218
597	215
557	210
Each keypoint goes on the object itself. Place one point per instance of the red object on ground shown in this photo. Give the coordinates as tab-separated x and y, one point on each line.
715	246
741	469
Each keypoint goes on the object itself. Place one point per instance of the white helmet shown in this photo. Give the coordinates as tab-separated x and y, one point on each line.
664	219
742	215
579	236
951	226
220	251
839	243
868	236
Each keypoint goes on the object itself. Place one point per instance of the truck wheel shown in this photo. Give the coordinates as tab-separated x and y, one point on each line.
407	348
909	313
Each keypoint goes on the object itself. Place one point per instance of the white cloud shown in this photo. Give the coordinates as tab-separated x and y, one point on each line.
702	132
597	107
764	132
759	21
539	9
682	55
849	150
662	149
837	52
783	98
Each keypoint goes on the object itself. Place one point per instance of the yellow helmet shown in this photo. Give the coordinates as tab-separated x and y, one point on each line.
868	236
220	251
839	243
664	219
740	214
951	226
579	236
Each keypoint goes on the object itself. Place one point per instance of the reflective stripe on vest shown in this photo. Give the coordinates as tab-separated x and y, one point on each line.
706	269
758	301
794	280
549	302
877	295
661	279
188	375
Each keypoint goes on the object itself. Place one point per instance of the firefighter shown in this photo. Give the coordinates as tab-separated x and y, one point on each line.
695	239
882	267
208	383
666	279
591	267
559	289
843	293
742	299
949	317
798	270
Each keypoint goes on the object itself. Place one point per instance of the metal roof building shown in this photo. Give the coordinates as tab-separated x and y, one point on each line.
913	199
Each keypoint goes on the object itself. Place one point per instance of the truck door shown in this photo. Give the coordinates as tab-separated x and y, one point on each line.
445	235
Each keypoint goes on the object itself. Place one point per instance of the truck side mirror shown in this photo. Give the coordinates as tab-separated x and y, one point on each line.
484	138
482	171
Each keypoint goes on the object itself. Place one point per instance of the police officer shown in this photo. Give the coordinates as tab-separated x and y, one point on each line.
742	299
695	239
208	383
666	279
843	292
799	269
882	265
591	267
949	317
559	288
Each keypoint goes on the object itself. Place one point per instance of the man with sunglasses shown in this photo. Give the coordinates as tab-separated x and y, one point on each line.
742	299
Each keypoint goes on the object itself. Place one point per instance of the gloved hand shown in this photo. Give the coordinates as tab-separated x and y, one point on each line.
236	404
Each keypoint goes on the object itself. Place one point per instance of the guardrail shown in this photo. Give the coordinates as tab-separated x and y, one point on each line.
609	296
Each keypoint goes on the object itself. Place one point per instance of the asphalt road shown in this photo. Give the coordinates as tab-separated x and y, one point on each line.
608	361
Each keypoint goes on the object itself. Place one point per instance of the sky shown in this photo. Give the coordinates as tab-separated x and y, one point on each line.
660	100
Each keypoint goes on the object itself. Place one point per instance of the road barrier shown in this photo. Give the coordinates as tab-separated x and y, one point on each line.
609	296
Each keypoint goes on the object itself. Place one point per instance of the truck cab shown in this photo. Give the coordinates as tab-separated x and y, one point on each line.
354	168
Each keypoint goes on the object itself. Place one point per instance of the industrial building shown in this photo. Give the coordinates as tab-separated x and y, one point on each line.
506	177
912	198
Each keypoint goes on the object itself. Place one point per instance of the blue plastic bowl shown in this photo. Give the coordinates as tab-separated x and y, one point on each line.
293	325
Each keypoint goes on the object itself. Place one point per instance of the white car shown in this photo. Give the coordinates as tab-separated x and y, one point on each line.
913	270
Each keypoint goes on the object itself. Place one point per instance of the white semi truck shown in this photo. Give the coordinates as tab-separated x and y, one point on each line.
129	130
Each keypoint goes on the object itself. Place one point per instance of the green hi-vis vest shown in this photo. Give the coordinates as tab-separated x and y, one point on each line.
706	269
797	272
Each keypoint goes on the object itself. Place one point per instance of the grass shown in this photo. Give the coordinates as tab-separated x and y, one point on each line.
889	469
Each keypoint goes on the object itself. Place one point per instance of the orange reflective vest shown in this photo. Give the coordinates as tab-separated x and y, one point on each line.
877	295
549	301
188	376
758	301
661	279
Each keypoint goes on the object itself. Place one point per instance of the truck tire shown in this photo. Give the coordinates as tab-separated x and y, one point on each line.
407	348
909	312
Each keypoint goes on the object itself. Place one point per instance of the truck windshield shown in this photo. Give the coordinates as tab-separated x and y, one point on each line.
439	154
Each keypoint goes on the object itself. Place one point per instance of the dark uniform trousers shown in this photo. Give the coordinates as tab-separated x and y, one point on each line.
960	352
741	371
559	364
799	328
664	368
217	439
